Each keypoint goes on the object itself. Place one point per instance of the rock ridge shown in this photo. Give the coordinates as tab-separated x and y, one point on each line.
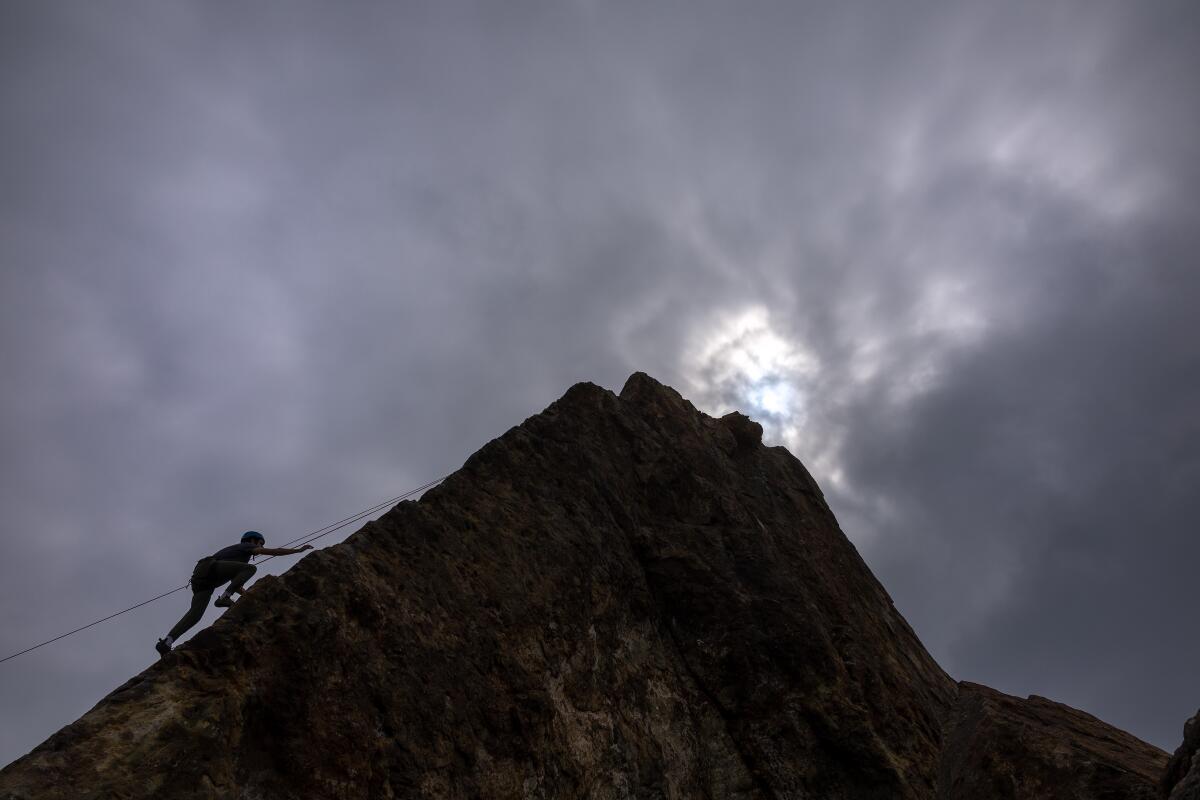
621	597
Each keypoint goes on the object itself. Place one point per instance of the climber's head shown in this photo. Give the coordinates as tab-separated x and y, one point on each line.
255	537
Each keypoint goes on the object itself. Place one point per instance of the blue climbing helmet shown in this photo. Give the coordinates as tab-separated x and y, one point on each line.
253	536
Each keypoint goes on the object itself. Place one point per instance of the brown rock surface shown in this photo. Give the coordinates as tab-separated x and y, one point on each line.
1182	778
622	597
1002	746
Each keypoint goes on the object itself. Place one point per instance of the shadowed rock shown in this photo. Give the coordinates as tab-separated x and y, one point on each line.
1002	746
1182	778
620	598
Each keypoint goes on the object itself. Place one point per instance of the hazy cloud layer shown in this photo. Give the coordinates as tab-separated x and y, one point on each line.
263	266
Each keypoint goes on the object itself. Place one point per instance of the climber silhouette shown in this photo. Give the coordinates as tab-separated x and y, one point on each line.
227	564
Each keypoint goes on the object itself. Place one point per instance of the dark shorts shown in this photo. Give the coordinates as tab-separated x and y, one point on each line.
210	573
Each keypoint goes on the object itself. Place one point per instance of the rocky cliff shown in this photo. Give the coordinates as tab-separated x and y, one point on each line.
620	598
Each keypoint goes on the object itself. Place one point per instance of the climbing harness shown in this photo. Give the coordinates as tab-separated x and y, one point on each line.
305	539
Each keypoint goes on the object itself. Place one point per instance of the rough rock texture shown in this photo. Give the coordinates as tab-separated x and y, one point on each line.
620	598
1003	746
1182	778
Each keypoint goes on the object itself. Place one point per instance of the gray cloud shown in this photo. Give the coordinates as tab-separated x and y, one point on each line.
266	266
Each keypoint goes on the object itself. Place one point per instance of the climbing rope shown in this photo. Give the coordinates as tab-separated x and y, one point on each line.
328	529
305	539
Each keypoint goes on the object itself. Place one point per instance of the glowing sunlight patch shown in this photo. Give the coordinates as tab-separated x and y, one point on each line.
743	364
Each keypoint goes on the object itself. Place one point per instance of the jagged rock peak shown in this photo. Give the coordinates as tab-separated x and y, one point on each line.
621	597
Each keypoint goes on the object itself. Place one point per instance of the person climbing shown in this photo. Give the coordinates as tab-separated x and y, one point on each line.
230	564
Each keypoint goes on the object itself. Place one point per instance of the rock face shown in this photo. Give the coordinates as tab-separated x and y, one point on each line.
1182	778
620	598
1003	746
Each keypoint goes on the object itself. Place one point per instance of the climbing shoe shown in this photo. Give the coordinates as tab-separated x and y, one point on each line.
163	647
224	601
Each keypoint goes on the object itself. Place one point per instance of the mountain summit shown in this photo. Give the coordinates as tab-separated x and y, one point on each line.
620	598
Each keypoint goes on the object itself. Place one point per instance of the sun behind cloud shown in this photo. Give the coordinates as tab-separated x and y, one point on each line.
741	362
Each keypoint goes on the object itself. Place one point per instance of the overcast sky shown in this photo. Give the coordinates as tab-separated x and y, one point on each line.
266	264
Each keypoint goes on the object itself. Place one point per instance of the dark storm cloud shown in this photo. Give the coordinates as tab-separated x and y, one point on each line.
1046	486
268	265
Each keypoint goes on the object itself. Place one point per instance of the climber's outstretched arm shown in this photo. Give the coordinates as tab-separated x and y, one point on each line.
280	551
